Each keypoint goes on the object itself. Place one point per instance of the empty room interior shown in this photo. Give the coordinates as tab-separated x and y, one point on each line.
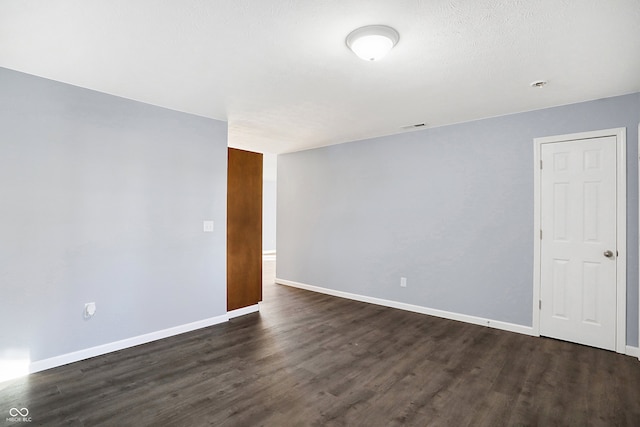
299	213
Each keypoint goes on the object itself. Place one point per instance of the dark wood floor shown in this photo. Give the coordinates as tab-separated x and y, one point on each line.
313	360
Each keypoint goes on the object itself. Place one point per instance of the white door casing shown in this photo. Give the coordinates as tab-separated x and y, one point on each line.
580	213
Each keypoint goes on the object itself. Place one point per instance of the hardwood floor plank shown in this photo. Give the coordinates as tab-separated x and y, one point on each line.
314	360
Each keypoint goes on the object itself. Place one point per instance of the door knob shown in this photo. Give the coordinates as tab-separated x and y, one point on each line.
608	254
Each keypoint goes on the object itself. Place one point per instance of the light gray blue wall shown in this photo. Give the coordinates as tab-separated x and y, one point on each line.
450	208
269	189
102	199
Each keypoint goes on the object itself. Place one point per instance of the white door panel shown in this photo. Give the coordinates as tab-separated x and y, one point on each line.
578	222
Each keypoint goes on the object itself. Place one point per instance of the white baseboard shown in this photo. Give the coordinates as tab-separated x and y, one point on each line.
64	359
506	326
41	365
242	311
632	351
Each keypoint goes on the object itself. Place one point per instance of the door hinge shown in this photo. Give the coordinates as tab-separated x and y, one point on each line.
541	234
540	164
539	304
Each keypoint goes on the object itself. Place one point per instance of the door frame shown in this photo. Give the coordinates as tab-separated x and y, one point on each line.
621	228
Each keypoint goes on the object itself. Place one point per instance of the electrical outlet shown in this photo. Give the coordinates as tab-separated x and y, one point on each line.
89	309
207	226
403	282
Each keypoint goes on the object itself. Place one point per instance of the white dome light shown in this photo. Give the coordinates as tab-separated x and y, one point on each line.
372	42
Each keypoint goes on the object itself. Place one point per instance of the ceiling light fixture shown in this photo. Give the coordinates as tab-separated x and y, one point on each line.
372	42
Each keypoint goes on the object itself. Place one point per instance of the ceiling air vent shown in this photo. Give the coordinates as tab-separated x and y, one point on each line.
417	125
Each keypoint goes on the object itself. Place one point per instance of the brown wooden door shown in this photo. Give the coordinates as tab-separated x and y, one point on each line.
244	229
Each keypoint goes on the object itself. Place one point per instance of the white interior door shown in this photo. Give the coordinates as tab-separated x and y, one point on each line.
578	241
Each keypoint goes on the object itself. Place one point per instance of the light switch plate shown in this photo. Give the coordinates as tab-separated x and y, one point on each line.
207	226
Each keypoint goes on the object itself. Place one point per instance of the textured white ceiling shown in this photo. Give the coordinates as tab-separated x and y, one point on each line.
279	71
